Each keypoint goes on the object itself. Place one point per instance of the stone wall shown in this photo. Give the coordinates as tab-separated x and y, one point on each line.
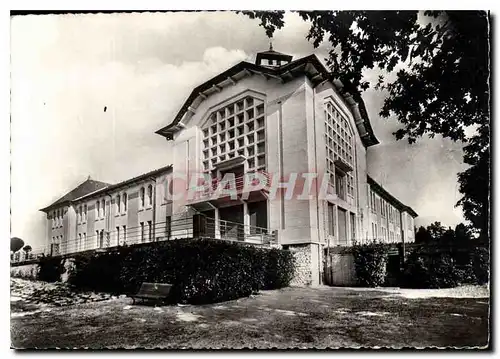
303	264
27	271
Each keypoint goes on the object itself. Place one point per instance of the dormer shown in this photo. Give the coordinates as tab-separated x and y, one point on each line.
272	59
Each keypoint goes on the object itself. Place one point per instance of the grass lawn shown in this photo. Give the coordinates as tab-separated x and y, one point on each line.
290	318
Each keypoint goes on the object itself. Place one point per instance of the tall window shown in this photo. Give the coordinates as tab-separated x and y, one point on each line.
339	139
352	218
78	244
331	219
118	205
150	231
124	202
98	209
340	184
84	212
103	205
117	235
142	232
124	234
142	197
84	244
373	202
150	195
237	129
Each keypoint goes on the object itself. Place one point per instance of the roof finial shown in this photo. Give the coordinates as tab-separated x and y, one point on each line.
88	178
271	45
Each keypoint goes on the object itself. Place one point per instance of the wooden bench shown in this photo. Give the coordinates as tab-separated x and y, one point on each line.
153	291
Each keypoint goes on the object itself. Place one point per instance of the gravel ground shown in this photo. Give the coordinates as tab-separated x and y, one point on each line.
324	317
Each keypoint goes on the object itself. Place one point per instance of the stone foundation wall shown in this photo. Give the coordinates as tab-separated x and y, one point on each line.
306	268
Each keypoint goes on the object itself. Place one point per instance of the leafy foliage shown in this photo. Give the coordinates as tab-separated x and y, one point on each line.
201	271
16	244
443	267
50	269
441	85
370	264
280	269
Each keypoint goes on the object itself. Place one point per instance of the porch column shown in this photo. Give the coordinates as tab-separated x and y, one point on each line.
246	219
217	223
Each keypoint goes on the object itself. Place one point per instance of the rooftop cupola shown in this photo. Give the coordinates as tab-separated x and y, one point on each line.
272	58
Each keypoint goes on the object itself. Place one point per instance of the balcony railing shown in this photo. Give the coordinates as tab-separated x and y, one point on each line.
219	188
179	228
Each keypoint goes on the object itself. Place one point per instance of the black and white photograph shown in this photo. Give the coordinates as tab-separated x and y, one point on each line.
251	179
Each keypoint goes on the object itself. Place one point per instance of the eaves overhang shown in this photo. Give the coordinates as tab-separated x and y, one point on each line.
382	192
309	66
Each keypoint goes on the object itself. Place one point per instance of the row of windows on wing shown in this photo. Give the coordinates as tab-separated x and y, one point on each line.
100	206
386	210
339	140
57	218
385	235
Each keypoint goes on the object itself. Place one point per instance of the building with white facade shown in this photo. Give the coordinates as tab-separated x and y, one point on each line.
268	151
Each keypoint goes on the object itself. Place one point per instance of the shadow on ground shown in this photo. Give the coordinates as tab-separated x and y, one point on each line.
324	317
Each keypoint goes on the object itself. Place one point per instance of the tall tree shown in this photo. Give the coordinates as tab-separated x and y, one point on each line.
441	86
16	244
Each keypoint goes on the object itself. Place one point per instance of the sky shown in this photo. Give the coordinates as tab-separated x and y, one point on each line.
66	68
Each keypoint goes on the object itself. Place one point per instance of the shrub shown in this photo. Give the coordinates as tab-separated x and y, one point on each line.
428	267
280	269
425	269
50	269
370	264
481	264
201	271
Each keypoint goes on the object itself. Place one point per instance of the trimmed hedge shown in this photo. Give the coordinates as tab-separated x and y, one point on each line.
201	270
425	266
370	264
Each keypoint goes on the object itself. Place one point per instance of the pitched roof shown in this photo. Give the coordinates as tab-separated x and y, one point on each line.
126	182
91	188
389	197
84	188
309	66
